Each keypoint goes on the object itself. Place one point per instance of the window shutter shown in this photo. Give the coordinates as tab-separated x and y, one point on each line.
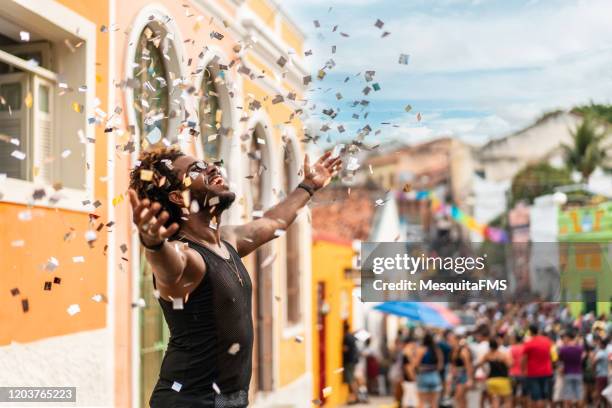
13	124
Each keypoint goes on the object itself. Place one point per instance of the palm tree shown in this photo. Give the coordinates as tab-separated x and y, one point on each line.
586	152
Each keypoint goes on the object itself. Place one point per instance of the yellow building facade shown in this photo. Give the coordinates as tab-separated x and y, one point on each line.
332	299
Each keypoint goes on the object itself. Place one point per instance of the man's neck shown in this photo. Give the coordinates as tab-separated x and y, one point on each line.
203	227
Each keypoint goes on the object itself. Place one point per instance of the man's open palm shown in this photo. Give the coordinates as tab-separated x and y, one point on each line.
320	174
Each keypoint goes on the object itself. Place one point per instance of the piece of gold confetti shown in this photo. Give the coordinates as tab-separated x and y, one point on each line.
28	100
146	175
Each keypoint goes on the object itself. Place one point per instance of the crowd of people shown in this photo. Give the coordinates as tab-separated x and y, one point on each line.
534	355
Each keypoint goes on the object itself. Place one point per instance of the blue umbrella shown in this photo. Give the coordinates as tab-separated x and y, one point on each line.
429	314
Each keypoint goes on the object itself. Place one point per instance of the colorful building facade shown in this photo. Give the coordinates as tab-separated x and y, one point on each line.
85	86
585	258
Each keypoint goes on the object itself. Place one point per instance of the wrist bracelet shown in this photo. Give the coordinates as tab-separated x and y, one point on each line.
306	187
153	248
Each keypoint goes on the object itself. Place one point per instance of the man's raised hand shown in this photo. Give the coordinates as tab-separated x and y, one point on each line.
320	174
151	226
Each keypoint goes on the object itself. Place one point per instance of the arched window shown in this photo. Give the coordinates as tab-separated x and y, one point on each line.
293	273
151	92
211	115
259	175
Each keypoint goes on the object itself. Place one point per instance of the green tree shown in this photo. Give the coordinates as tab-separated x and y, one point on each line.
535	180
586	151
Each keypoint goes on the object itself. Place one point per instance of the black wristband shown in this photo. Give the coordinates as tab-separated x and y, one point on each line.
156	247
306	187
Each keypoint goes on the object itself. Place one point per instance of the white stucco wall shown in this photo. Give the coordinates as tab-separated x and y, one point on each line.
76	360
502	159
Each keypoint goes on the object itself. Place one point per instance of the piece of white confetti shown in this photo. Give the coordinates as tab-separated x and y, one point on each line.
24	215
216	388
299	339
19	155
66	153
234	348
17	243
279	232
327	392
177	303
52	264
24	36
176	386
97	298
73	309
78	259
140	303
213	201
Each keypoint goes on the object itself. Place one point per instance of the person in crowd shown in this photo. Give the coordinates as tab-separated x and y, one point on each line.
350	357
410	398
601	362
517	375
446	350
537	362
479	350
588	370
372	367
570	357
429	362
498	383
461	369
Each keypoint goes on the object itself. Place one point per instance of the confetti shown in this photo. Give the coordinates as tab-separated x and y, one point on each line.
327	391
52	264
379	23
338	370
66	153
177	303
25	215
216	388
78	259
119	198
404	59
139	303
299	339
25	305
213	201
97	298
17	243
15	291
73	309
279	232
24	36
146	175
154	136
77	107
19	155
234	348
408	108
176	386
47	285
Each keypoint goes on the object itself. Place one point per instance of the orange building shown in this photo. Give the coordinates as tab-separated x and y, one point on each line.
84	86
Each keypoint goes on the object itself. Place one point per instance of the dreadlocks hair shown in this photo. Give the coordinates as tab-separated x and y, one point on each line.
156	186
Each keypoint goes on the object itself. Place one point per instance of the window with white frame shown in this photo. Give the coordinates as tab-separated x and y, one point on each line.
42	97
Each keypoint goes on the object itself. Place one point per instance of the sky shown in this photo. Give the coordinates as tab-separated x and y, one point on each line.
478	69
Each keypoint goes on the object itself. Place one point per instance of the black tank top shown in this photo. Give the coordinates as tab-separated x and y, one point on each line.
211	338
497	368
